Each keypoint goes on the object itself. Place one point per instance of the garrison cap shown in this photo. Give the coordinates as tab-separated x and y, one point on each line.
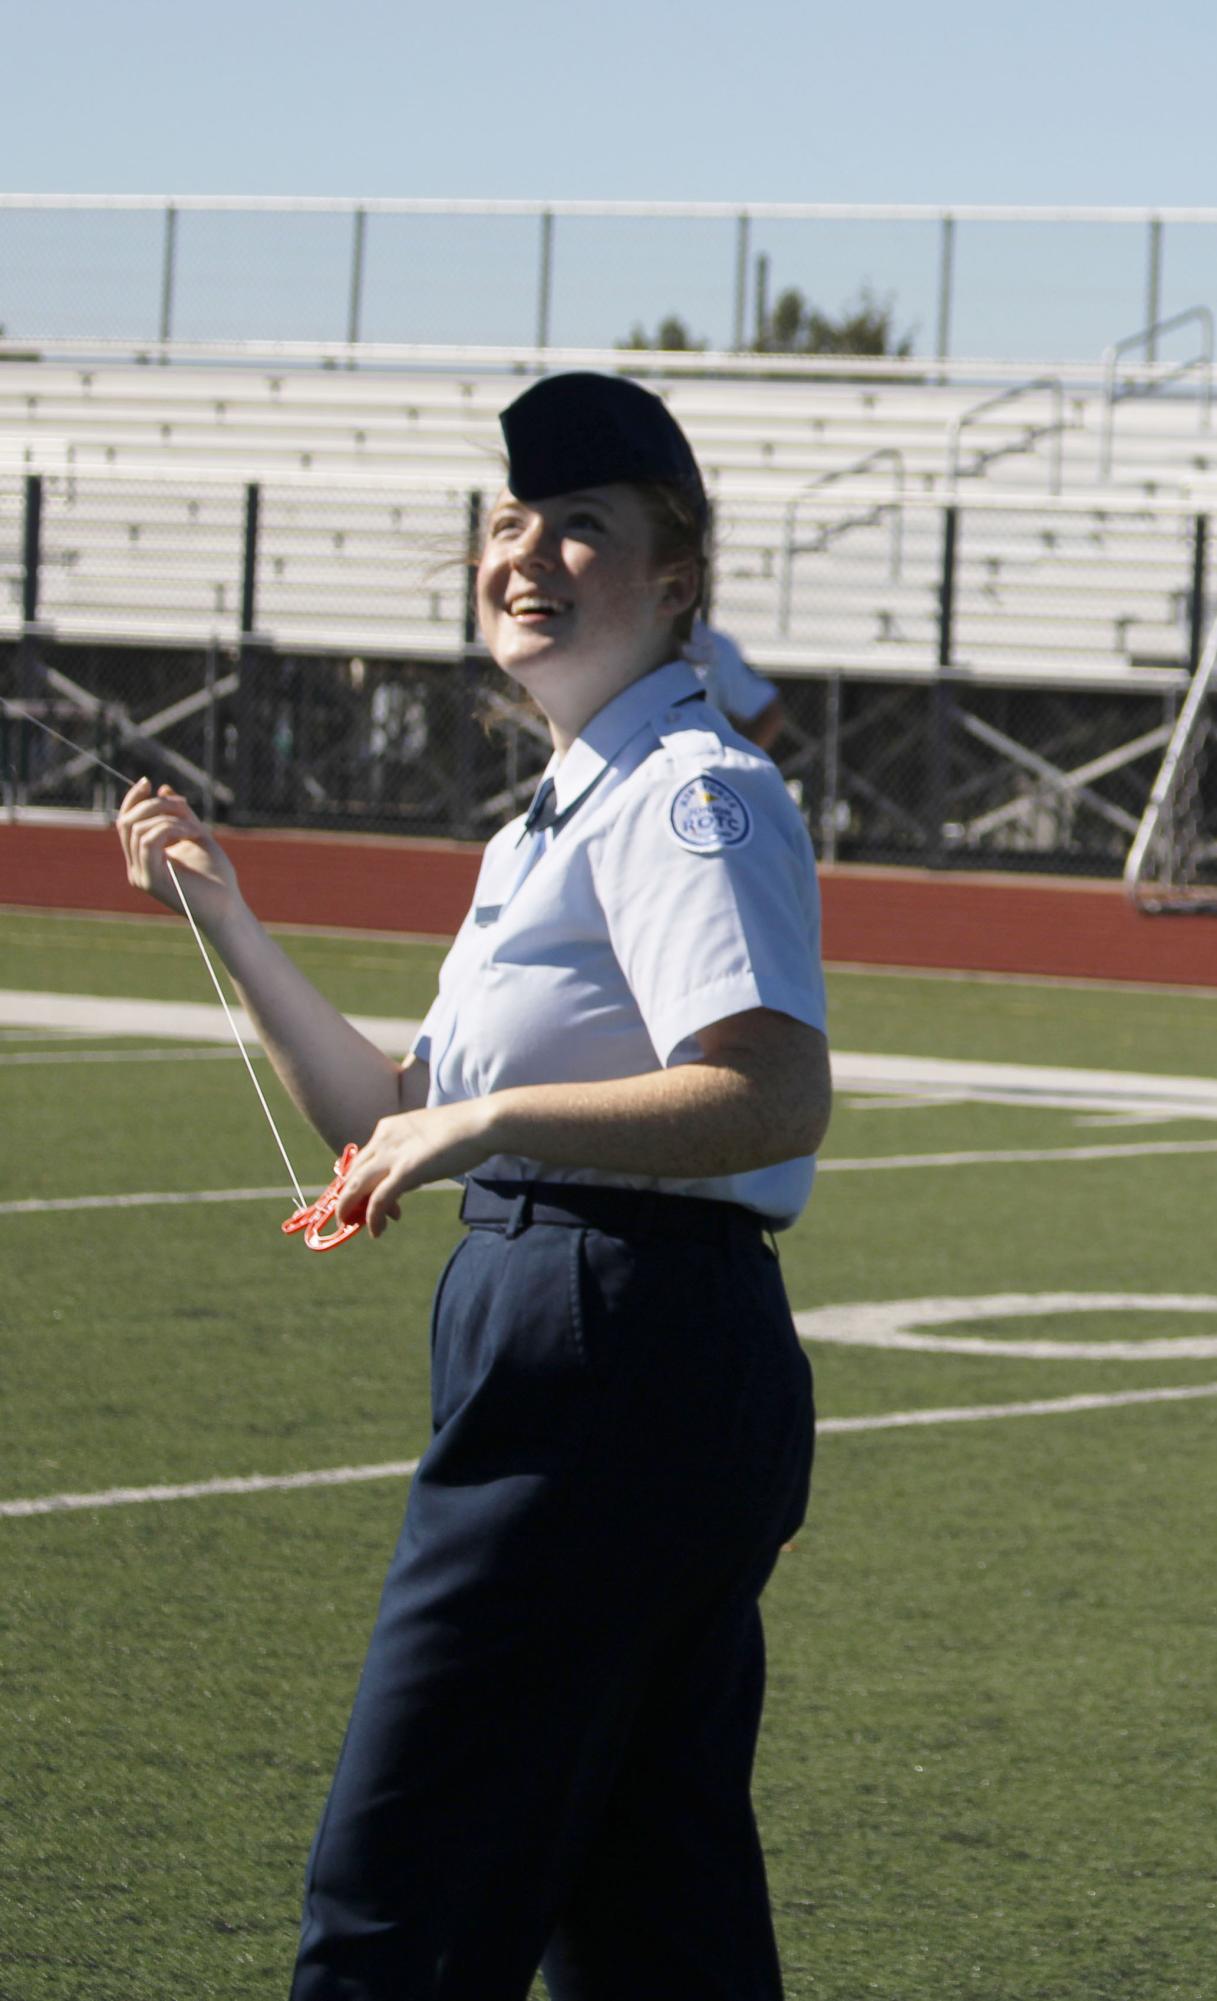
577	430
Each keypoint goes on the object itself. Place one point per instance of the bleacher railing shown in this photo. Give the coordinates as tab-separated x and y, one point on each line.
1054	429
1115	390
830	531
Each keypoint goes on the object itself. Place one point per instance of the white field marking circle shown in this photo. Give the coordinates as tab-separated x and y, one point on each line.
899	1323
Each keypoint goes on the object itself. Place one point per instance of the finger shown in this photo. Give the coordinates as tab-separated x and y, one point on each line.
384	1205
146	836
170	829
360	1181
154	807
148	847
140	790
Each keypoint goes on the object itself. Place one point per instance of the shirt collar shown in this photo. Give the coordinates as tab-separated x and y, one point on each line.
607	733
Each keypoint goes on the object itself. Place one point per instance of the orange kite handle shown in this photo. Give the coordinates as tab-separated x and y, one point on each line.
315	1215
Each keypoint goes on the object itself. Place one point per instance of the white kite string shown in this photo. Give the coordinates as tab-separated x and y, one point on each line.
15	709
301	1197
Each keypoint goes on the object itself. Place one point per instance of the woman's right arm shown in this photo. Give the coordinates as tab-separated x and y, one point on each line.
339	1080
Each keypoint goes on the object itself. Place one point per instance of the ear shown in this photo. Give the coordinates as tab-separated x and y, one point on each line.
681	587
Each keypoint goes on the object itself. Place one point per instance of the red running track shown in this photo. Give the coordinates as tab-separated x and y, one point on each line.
872	917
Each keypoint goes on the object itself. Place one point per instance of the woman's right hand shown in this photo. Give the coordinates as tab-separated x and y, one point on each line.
152	825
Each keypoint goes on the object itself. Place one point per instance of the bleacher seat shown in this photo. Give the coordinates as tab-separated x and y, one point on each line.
366	476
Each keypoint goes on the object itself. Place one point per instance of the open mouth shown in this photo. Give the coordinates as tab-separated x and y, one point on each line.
534	609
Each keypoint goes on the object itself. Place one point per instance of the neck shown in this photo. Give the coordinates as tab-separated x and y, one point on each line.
568	717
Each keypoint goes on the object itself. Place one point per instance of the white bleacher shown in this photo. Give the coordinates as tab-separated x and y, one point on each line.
55	414
365	476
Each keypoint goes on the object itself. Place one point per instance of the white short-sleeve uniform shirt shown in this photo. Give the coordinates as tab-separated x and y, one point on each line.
730	683
677	887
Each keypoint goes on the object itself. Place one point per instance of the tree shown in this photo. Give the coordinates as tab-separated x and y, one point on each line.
794	327
865	327
672	336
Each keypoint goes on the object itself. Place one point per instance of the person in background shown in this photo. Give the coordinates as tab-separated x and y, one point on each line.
750	703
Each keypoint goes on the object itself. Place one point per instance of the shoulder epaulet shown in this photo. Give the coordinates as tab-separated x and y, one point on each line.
686	731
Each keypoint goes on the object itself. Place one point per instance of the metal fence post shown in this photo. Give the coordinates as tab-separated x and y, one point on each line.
762	302
1153	288
210	734
742	228
545	277
8	766
466	726
946	285
355	302
247	660
940	698
31	559
1196	602
830	803
168	272
27	657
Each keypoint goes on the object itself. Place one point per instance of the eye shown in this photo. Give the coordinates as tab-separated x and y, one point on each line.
580	519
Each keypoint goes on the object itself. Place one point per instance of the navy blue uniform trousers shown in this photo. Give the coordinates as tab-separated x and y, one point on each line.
550	1752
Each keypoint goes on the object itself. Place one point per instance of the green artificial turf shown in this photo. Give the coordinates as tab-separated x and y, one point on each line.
987	1769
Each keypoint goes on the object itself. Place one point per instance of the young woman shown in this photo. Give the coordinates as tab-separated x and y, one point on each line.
549	1757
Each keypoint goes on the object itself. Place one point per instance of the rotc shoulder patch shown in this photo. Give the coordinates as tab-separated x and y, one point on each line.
705	816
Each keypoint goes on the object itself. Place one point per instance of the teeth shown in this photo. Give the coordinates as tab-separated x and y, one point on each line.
534	604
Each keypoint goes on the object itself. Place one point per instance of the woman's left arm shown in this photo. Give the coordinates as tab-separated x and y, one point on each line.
759	1093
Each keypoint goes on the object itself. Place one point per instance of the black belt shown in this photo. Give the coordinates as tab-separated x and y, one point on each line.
511	1206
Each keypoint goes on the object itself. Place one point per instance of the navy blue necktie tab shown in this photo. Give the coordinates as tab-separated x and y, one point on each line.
544	809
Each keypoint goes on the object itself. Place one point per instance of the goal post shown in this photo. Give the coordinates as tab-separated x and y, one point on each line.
1172	863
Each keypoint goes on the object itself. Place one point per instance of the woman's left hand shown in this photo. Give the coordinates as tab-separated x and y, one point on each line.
407	1150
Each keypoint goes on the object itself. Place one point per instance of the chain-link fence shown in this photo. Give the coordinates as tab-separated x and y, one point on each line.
985	681
1000	282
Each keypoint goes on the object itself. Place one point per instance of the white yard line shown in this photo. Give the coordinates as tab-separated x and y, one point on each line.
397	1469
1015	1156
159	1199
172	1021
1048	1087
995	1157
919	1077
1041	1407
175	1199
197	1490
174	1054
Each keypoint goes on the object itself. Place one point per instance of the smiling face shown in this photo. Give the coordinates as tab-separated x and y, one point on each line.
572	601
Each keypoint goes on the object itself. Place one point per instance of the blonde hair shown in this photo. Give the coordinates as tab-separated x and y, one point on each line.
679	533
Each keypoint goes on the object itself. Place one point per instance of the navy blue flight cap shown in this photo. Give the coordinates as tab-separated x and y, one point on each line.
578	430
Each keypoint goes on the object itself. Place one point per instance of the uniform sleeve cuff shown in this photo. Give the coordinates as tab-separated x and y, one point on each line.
697	1010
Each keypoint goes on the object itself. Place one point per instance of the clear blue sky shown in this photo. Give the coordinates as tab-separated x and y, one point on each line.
896	100
919	100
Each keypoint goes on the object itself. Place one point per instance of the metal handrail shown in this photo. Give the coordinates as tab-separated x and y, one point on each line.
515	358
1112	394
1053	430
1162	793
895	507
